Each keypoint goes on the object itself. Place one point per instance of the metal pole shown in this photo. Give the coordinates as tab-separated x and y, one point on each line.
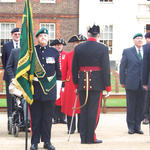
73	114
26	139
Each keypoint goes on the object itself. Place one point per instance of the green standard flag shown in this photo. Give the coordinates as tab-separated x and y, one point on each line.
26	63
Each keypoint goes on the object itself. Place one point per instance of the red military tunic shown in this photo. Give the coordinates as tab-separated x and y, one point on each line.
62	57
69	96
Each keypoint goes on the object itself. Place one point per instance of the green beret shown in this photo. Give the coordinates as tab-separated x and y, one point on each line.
137	35
42	30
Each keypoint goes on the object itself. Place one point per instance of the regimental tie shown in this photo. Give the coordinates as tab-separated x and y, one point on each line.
140	55
16	45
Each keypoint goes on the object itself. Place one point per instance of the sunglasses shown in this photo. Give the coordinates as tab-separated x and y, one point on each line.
17	34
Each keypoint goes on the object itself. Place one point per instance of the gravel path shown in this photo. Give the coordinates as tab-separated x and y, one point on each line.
112	130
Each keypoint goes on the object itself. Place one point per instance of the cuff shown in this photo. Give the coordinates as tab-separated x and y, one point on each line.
76	86
108	88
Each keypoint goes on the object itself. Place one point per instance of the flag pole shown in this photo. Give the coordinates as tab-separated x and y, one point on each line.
26	139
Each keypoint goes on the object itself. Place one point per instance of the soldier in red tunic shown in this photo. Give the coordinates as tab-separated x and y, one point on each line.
69	92
59	117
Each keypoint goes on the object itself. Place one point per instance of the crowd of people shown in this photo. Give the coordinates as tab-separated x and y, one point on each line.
74	82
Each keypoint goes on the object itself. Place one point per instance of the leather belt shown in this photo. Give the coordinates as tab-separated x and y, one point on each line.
36	79
90	68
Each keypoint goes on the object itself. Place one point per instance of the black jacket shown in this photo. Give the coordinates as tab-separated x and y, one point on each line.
93	55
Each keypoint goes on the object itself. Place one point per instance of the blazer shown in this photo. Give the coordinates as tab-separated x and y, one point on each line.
146	66
130	69
6	50
12	63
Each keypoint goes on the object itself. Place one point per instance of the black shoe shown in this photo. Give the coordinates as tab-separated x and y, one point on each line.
49	146
139	131
34	147
95	142
98	141
131	131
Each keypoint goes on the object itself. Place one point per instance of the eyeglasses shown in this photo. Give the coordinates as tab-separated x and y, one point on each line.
17	34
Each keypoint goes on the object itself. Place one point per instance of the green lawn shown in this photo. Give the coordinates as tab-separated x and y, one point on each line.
115	102
109	102
3	103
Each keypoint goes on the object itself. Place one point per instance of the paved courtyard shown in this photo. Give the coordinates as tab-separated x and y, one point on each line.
111	129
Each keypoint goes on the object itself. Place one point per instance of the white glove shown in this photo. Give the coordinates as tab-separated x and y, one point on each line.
108	93
58	85
63	89
13	90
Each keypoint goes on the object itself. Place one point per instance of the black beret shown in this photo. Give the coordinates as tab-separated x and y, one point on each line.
58	41
147	35
15	30
94	30
42	30
137	35
76	38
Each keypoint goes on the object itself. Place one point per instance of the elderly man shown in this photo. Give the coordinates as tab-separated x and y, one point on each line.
44	92
59	44
6	50
130	79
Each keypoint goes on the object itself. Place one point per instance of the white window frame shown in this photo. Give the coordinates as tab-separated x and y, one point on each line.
6	35
106	36
7	1
47	26
47	1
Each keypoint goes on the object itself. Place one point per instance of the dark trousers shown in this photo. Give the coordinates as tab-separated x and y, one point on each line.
89	115
58	115
69	118
10	100
147	105
135	107
41	120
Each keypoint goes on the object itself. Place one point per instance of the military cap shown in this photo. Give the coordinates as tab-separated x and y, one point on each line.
76	38
137	35
42	30
147	35
95	29
15	30
58	41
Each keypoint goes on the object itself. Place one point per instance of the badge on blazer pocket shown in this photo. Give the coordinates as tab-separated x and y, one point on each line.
50	60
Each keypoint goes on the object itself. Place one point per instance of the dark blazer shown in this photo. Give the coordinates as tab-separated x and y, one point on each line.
130	69
91	54
146	66
12	63
6	50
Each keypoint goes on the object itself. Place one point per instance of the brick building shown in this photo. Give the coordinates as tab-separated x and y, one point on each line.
60	17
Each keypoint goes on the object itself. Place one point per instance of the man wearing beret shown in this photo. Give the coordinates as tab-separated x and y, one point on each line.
145	77
130	79
6	50
44	91
59	117
91	75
